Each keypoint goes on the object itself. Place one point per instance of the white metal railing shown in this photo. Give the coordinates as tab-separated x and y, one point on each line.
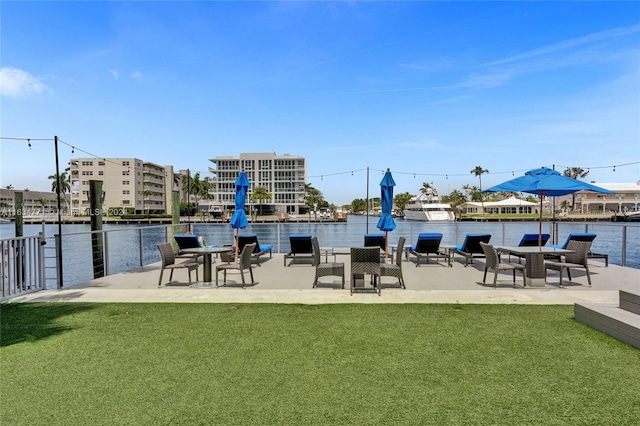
22	267
70	259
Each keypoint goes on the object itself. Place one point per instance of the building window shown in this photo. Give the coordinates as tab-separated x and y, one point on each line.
125	163
125	173
100	163
125	192
87	173
125	202
87	163
125	182
100	173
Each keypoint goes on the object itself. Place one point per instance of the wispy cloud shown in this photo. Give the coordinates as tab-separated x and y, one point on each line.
115	74
567	44
137	76
16	83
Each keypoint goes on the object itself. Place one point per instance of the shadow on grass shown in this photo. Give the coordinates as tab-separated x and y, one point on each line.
22	322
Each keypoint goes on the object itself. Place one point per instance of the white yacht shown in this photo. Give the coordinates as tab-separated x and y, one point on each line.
429	207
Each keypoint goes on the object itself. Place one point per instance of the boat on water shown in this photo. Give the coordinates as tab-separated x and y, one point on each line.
429	207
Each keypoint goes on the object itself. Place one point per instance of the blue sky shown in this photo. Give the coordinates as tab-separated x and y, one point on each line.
428	89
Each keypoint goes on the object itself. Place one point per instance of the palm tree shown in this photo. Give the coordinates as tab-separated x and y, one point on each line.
426	188
575	173
312	198
260	194
8	186
479	171
65	185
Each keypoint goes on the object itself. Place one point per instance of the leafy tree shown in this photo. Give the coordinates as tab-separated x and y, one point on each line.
401	200
260	194
455	198
358	205
575	173
472	192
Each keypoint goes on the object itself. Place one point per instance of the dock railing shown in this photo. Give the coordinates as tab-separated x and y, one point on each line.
35	263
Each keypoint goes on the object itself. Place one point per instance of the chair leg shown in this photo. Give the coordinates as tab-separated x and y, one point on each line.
189	272
171	276
242	276
484	278
251	274
514	277
561	271
495	278
569	273
588	275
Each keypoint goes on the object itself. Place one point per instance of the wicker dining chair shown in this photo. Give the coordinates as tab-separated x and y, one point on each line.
169	262
365	260
493	263
394	269
577	259
244	263
325	269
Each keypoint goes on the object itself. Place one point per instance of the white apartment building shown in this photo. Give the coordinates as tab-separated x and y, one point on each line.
128	183
284	176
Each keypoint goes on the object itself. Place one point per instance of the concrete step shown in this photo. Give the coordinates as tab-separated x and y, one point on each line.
616	322
630	302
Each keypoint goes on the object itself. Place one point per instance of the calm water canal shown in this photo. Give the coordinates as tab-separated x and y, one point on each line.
132	245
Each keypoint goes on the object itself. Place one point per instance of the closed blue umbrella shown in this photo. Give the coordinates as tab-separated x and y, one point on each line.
545	182
386	222
239	218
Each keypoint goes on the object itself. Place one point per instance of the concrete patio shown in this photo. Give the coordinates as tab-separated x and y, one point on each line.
428	283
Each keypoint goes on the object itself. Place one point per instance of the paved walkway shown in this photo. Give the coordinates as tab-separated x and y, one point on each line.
429	283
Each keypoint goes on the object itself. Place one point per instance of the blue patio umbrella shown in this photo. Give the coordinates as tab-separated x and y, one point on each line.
239	218
545	182
386	222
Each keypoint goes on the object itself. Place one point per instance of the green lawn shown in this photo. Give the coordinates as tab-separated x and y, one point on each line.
172	364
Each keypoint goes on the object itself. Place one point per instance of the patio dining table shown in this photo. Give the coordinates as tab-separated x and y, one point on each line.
207	252
534	261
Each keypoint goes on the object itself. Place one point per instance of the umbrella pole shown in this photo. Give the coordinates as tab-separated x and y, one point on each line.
386	246
540	224
237	235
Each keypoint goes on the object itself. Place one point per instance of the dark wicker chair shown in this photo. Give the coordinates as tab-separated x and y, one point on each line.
493	263
365	260
394	269
169	262
577	259
325	269
244	263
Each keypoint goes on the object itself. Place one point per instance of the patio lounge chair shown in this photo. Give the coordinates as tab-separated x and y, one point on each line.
243	264
325	269
301	247
576	259
394	269
365	260
428	246
493	263
259	250
470	247
169	262
531	240
581	236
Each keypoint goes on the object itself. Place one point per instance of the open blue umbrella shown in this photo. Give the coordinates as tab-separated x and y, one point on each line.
239	218
545	182
386	222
